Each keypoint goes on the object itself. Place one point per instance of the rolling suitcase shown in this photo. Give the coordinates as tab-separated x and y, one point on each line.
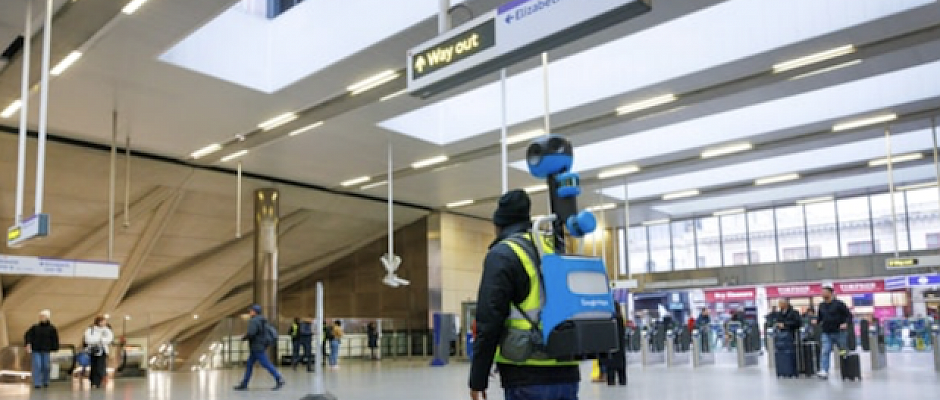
809	358
850	366
785	355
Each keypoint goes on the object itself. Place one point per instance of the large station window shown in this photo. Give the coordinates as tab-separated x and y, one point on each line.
734	239
708	239
660	248
884	223
821	230
855	226
761	236
923	217
638	250
791	233
683	244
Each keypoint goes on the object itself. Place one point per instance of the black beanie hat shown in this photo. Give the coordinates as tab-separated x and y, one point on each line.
513	208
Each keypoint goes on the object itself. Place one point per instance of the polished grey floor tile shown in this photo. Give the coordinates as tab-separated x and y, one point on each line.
910	377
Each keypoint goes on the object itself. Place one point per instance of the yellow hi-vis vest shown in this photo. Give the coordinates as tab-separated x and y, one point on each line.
532	305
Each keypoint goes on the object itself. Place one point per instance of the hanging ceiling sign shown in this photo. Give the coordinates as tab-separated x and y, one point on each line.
39	266
36	226
511	33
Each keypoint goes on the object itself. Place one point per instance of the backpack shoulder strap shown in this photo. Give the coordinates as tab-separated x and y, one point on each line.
524	241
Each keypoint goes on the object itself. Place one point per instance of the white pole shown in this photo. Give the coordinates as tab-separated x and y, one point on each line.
112	178
504	147
127	181
626	228
548	112
894	211
936	159
43	107
443	17
238	202
24	111
318	388
391	204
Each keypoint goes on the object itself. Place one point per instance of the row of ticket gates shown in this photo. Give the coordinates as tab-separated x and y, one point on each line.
699	347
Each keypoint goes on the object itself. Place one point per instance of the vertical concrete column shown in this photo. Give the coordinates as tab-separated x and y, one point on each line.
266	249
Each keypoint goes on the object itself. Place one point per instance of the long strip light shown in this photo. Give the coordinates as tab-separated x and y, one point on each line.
429	162
656	222
374	185
844	126
277	121
66	62
525	136
827	69
372	82
234	155
602	207
305	129
355	181
896	159
681	195
461	203
814	200
212	148
725	150
132	7
393	95
11	109
918	186
776	179
813	58
611	173
733	211
648	103
536	188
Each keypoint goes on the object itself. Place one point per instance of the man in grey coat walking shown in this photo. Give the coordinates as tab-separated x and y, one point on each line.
257	344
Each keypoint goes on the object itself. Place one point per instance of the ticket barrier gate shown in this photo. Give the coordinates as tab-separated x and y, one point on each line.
935	335
634	345
677	350
877	348
770	343
746	357
651	350
701	354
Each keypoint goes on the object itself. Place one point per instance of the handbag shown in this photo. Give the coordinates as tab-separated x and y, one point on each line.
83	359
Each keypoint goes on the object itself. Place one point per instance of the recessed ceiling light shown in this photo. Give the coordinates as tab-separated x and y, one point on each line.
827	69
374	185
277	121
813	58
918	186
11	109
844	126
234	155
132	7
725	150
66	62
393	95
355	181
729	212
648	103
610	173
305	129
815	200
776	179
372	82
461	203
212	148
656	222
524	136
681	195
429	162
896	159
536	188
602	207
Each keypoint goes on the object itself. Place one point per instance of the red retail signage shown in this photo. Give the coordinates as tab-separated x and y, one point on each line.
860	287
794	290
729	295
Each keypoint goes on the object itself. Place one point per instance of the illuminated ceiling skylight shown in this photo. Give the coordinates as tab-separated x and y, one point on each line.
615	69
312	36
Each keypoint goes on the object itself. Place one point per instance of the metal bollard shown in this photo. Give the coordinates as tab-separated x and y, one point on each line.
771	349
935	331
879	360
644	347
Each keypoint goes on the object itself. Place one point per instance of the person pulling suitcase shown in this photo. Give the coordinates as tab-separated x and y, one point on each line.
834	320
787	323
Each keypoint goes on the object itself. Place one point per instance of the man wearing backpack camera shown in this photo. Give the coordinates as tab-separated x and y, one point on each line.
260	335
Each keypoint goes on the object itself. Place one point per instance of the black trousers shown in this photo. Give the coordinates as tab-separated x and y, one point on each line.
99	368
618	373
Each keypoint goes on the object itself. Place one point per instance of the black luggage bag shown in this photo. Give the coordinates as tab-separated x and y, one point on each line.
809	358
850	366
785	355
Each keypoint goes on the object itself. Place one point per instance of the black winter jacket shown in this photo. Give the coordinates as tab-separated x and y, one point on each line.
42	337
505	282
790	319
832	315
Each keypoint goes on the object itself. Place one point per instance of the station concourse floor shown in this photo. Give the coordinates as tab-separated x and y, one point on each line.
913	379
